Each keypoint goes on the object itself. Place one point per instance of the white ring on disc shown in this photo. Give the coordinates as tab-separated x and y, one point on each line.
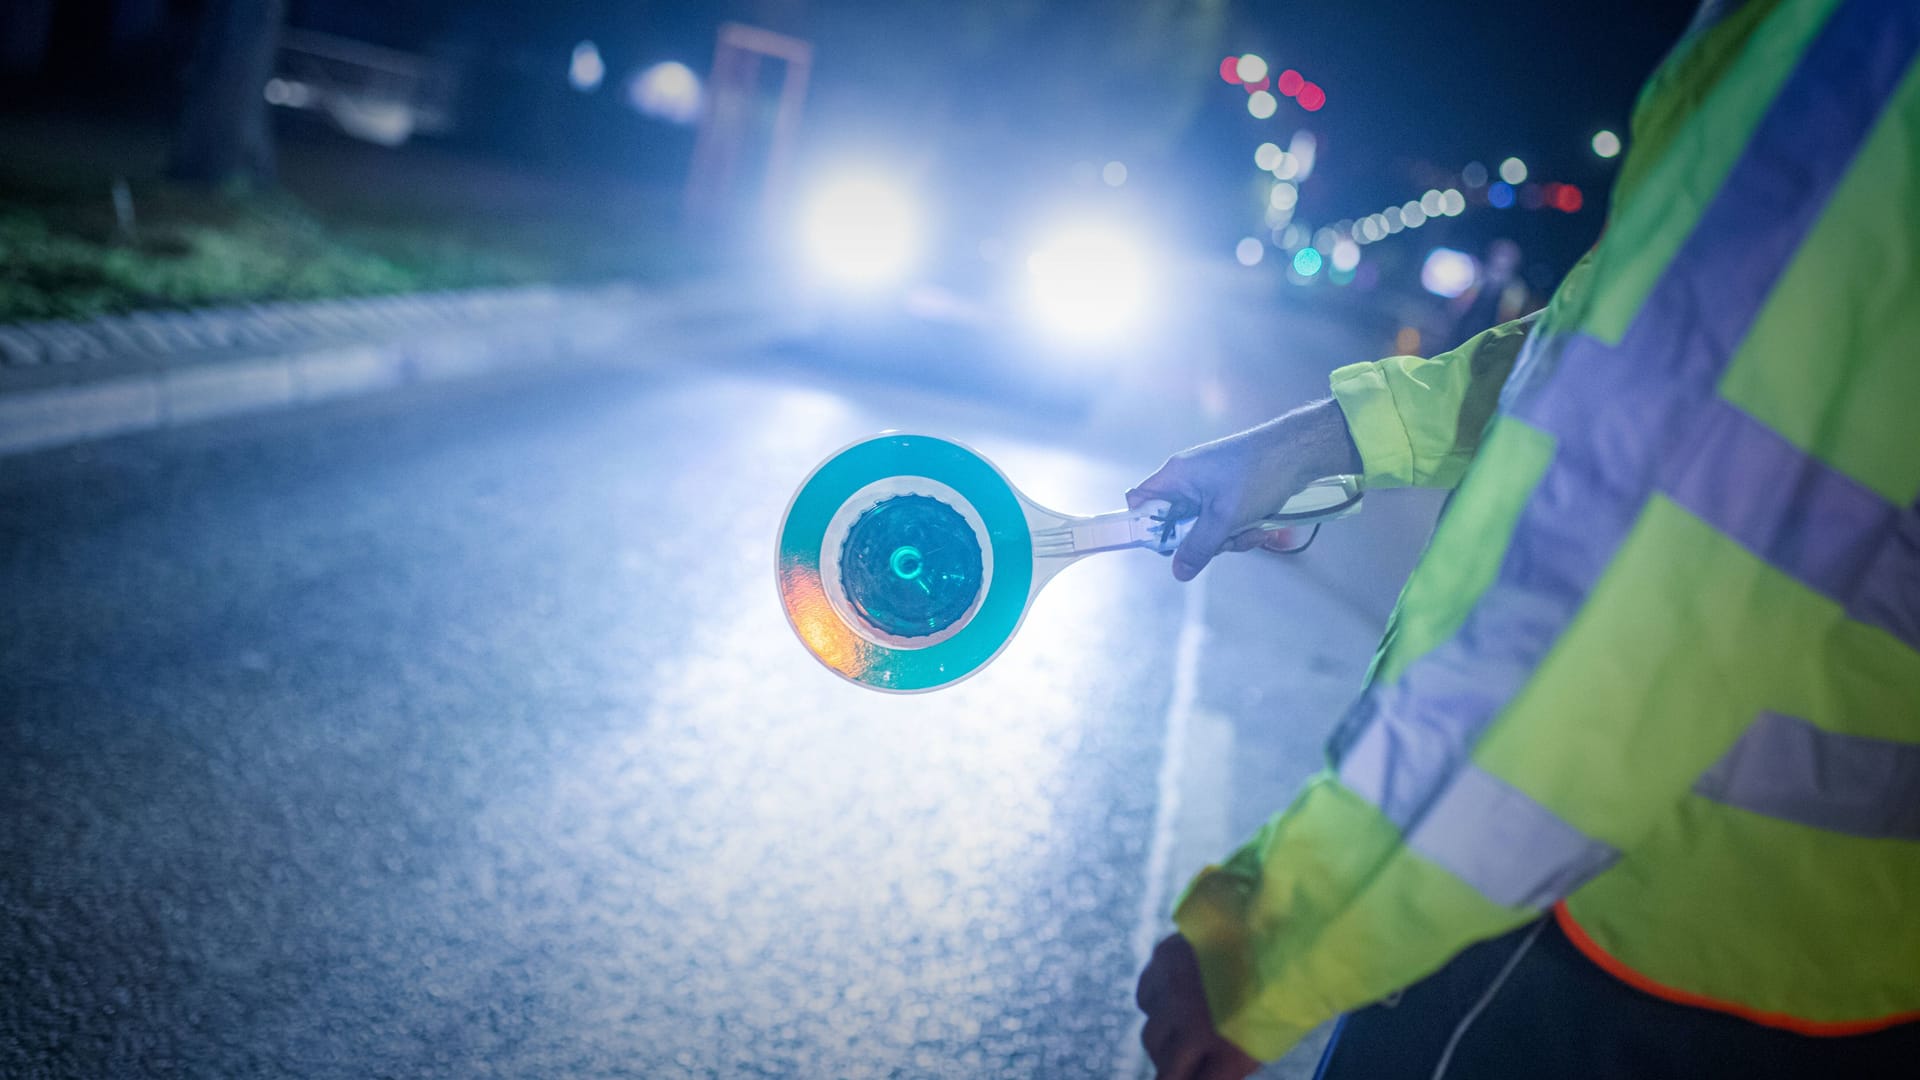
841	524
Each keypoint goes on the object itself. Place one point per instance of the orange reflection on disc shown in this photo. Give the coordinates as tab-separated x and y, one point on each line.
819	626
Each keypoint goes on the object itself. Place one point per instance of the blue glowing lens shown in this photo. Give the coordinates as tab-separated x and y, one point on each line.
911	566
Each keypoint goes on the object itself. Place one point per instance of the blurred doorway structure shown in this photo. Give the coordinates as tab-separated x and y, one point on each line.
747	133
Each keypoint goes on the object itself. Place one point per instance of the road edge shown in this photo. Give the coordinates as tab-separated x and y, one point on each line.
63	384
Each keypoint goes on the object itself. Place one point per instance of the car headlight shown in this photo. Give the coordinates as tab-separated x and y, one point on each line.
860	230
1089	283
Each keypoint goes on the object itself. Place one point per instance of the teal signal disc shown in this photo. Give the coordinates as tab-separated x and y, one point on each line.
910	565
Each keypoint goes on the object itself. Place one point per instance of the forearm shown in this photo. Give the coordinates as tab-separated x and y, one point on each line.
1302	444
1317	441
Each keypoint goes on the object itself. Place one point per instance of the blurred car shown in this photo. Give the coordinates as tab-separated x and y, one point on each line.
992	284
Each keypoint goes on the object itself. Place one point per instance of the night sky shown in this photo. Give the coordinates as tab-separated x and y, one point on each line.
1003	98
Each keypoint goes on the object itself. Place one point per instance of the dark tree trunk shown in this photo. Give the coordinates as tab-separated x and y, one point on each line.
224	138
25	27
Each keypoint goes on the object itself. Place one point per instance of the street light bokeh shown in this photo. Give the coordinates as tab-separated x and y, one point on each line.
585	70
1448	273
668	90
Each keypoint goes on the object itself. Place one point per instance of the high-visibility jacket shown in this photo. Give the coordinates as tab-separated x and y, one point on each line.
1659	669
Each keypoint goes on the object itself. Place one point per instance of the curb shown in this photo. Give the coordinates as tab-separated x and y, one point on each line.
65	383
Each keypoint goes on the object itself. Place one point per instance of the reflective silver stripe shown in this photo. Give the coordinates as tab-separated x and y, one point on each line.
1889	592
1483	830
1829	531
1785	767
1395	764
1512	850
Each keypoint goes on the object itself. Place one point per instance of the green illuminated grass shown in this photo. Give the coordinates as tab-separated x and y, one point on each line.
348	222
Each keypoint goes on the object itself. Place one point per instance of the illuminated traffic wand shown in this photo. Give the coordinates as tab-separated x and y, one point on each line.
907	562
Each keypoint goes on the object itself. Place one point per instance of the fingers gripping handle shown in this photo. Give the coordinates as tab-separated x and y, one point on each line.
1323	500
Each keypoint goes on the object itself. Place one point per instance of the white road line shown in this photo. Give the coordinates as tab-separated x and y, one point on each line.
1131	1062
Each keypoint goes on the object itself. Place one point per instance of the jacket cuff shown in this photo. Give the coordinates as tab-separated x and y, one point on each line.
1385	451
1212	916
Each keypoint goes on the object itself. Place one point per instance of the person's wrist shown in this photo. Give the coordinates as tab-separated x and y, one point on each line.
1314	442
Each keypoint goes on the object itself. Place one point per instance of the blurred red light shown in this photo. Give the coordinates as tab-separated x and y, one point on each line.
1261	85
1229	70
1290	82
1311	97
1568	199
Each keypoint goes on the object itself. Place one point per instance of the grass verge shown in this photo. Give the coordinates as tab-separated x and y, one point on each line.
348	222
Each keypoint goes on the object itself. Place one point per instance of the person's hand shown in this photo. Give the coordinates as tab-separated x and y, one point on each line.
1179	1036
1232	483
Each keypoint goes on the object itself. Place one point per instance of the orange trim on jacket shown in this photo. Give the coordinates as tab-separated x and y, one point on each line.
1612	965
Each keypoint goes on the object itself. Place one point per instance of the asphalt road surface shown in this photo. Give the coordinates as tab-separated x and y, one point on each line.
457	733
